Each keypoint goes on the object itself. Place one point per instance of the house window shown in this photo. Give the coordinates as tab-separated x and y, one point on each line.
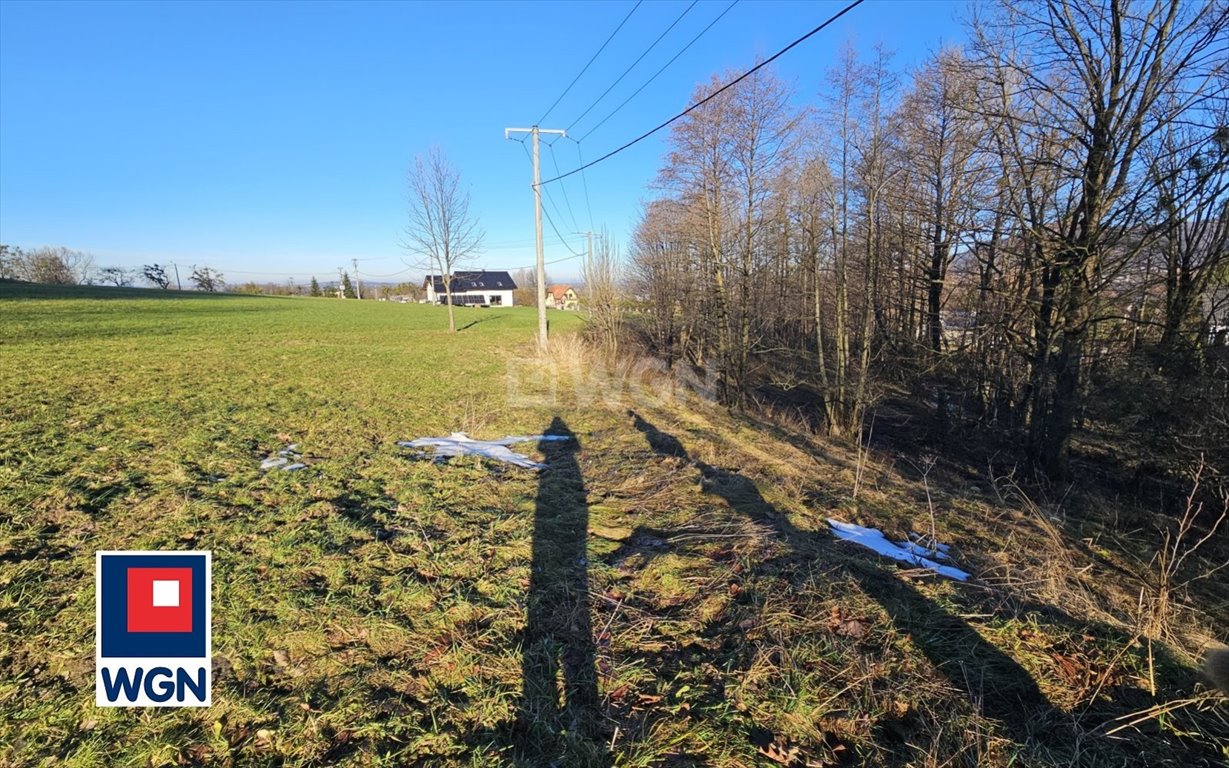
495	300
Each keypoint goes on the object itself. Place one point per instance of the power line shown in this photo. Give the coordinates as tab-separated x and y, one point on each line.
586	67
585	181
634	63
557	233
545	263
549	198
713	95
664	67
521	246
552	202
390	274
567	200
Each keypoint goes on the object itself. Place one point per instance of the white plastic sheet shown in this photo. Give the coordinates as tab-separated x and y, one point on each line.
287	459
906	551
461	444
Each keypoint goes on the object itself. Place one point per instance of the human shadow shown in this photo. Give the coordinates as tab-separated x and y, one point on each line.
558	634
993	681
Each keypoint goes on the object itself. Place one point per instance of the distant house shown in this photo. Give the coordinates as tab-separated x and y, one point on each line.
1215	306
478	289
562	297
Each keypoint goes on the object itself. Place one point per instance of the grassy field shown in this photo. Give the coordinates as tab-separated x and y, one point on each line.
666	594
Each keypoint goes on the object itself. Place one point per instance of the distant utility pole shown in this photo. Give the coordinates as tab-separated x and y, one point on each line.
341	283
358	284
590	236
178	285
537	220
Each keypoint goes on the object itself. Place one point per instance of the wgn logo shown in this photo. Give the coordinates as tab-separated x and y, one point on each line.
152	635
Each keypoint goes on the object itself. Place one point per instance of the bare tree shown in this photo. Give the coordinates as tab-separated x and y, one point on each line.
663	281
1055	194
156	275
11	259
1190	168
941	138
53	266
764	146
208	280
117	276
443	233
602	275
700	174
80	264
1092	79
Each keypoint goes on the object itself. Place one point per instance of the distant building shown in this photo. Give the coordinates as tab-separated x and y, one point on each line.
562	297
1215	306
478	289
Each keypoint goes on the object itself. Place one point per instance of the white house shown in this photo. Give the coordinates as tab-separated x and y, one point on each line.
481	289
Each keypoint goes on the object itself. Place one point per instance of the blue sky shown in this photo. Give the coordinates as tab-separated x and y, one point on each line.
272	139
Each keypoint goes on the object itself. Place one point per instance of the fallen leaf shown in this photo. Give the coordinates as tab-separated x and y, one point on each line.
786	755
852	628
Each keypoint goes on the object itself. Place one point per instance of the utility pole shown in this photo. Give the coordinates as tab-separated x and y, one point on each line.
358	284
589	236
178	285
341	283
537	220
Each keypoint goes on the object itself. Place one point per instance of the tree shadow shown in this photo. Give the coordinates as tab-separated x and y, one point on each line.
993	682
557	726
472	323
739	492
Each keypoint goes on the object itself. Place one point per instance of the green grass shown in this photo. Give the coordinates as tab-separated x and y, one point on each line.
629	606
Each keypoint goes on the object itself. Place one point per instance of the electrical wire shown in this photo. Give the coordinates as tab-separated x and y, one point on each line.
549	198
560	236
390	274
591	60
664	67
567	200
713	95
585	181
640	58
545	263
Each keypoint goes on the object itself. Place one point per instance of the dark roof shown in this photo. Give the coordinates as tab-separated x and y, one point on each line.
473	281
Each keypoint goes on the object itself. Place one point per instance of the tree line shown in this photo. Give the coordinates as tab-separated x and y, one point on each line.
1010	228
57	265
64	266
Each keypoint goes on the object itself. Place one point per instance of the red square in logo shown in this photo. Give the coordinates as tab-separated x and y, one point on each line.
159	599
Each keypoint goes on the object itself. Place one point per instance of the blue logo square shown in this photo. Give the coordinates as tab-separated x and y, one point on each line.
116	641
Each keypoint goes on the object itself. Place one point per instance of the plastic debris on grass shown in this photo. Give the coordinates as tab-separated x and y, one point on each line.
461	444
287	459
910	552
